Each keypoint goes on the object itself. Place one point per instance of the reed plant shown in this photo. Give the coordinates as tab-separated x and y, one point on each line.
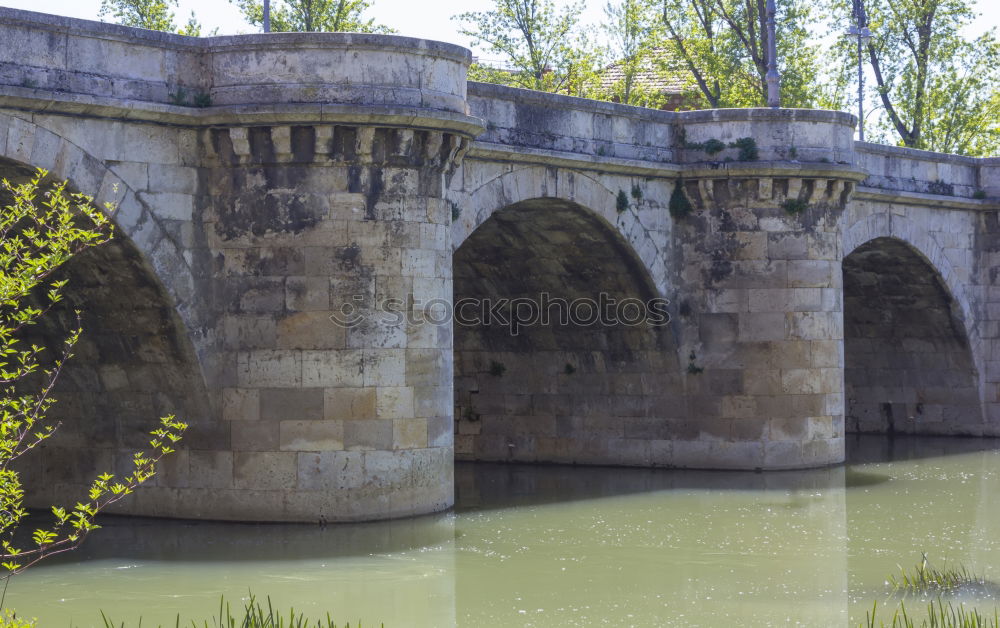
939	614
254	615
925	579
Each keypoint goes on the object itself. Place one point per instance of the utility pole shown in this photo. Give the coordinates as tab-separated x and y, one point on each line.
267	16
860	31
773	78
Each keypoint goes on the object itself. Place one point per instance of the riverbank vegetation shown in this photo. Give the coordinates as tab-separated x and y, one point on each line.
937	614
924	580
933	586
254	615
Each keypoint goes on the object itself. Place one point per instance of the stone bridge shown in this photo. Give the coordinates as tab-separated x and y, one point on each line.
268	184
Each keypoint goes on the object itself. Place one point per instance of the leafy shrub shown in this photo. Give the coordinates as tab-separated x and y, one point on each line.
747	147
621	203
795	206
40	231
679	204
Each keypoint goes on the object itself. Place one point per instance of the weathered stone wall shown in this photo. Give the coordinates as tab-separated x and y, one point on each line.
917	322
909	367
588	384
267	183
312	183
308	223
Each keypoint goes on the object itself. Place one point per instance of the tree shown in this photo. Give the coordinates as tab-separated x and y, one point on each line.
722	44
150	14
545	49
937	89
37	237
632	27
313	15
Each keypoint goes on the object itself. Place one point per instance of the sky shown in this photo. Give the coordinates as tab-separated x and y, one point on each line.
429	19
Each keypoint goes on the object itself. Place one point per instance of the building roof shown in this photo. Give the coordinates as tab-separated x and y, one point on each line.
654	73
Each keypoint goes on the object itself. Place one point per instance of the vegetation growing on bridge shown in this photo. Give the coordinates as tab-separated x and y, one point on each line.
679	204
934	86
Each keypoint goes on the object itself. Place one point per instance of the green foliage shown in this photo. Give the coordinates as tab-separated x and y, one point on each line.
721	46
979	194
497	369
747	147
633	29
202	99
794	206
637	192
178	97
199	99
569	369
710	146
621	203
151	14
192	28
9	619
679	204
939	614
542	48
936	89
39	232
924	579
254	615
328	16
941	187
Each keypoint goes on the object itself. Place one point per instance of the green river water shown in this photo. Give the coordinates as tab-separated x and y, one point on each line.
568	546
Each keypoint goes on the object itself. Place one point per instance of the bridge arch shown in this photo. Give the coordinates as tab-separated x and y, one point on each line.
885	225
535	182
910	361
135	360
578	386
29	145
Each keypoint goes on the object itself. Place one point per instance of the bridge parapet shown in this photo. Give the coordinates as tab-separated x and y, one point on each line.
84	67
788	135
920	171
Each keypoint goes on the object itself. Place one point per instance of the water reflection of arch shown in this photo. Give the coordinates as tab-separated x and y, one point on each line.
582	546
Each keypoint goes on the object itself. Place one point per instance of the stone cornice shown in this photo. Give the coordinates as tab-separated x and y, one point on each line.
488	151
939	201
60	103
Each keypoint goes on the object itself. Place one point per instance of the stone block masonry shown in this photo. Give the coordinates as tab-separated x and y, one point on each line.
271	186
